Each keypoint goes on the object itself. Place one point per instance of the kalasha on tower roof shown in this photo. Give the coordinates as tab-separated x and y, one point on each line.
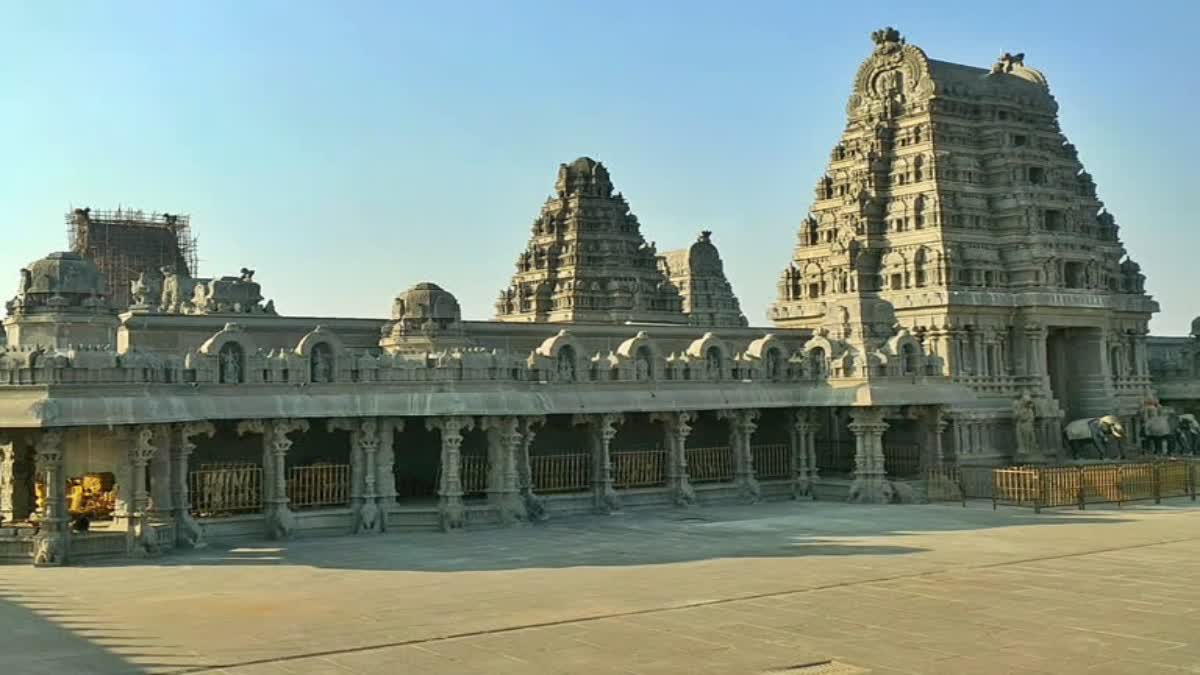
587	261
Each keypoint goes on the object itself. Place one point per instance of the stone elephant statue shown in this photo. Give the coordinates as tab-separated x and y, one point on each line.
1188	433
1097	431
1161	430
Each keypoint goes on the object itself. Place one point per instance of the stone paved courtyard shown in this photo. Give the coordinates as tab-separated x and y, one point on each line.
780	587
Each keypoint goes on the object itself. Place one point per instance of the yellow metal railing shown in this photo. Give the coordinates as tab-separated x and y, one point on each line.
561	472
710	465
639	468
772	462
1041	487
225	489
319	485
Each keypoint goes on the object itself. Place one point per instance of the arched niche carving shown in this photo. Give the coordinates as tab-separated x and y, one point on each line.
322	350
906	353
712	354
644	356
565	356
771	356
818	355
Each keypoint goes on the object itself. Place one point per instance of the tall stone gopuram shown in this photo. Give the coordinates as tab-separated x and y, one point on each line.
587	262
954	197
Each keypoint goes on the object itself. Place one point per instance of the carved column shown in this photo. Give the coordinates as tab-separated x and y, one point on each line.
676	428
8	481
940	424
363	435
534	508
385	467
51	542
141	539
803	434
279	519
742	425
368	445
870	484
451	511
602	428
187	531
978	349
504	443
162	490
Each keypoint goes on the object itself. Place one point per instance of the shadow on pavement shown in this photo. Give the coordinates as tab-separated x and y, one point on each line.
772	530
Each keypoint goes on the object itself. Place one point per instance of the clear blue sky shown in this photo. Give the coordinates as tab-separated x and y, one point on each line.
346	150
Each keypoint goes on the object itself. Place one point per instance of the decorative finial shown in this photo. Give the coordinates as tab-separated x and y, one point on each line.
887	38
1007	62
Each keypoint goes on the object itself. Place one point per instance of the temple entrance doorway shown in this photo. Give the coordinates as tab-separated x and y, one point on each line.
1074	361
418	458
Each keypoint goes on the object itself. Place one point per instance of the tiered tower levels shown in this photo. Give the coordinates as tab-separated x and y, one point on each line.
587	261
954	196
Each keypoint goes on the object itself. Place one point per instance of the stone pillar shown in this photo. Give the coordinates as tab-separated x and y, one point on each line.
162	490
279	519
504	440
870	484
978	349
385	471
367	519
451	511
803	435
742	425
8	482
937	424
187	531
603	428
677	426
141	539
51	544
534	508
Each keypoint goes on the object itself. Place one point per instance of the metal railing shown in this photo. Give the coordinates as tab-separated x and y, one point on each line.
639	468
944	484
562	472
319	485
902	460
473	474
1042	487
226	489
710	465
772	462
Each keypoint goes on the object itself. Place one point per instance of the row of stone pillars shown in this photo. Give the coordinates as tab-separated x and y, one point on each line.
510	487
141	506
166	451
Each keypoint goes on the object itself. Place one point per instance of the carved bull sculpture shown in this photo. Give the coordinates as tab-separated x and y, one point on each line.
1097	430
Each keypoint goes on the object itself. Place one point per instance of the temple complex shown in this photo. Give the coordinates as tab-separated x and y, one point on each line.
956	295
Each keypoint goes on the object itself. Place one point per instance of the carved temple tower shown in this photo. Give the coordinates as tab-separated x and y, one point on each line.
954	197
587	261
699	274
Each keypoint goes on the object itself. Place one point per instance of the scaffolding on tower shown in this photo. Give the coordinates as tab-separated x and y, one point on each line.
124	243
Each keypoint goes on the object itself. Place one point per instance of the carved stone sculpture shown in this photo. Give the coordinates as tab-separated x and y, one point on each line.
1025	422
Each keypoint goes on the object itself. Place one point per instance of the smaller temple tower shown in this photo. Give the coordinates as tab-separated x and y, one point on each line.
60	303
699	274
586	261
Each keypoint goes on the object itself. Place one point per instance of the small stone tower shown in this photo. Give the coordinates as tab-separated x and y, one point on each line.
60	302
699	274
